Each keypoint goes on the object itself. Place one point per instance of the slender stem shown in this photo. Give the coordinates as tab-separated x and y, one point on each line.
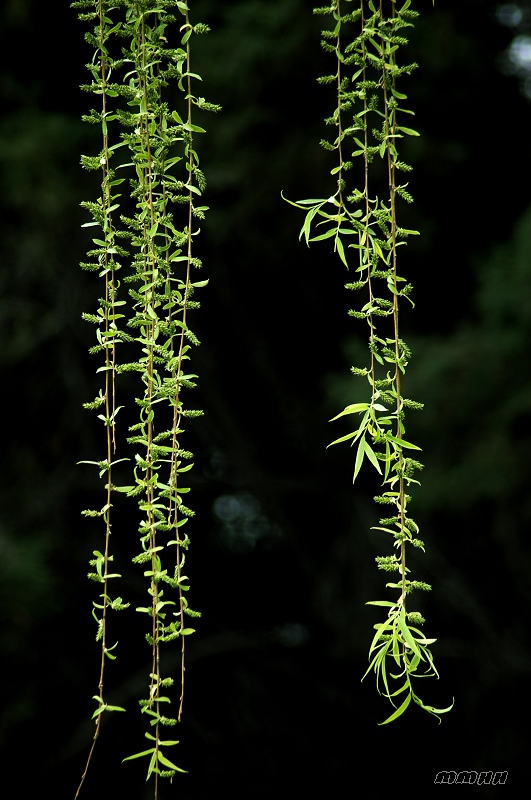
150	269
191	164
340	179
367	252
110	373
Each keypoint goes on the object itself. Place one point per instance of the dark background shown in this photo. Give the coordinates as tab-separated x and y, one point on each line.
282	556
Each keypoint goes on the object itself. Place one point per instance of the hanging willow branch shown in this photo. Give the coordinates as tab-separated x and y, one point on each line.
363	224
103	257
159	223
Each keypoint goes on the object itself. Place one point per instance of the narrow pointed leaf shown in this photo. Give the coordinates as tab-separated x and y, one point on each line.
399	711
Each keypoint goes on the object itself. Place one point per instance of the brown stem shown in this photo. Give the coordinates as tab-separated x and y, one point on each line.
110	392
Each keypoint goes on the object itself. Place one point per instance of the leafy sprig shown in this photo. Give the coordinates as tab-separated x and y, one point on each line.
361	222
104	260
148	233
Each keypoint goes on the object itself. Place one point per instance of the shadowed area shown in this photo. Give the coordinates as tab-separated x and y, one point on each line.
282	556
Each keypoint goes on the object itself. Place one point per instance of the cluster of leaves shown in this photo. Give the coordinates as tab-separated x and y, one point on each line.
360	221
145	246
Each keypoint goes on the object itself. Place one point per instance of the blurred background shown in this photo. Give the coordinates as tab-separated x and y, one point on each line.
282	557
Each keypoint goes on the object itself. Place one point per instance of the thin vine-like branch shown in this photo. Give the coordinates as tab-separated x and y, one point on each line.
158	154
107	332
368	224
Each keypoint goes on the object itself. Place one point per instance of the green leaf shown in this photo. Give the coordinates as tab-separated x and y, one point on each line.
327	235
402	442
152	763
385	530
431	709
310	202
189	127
359	457
372	457
407	634
341	251
380	603
343	439
139	755
399	711
382	628
409	131
403	688
307	224
352	409
396	94
168	763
